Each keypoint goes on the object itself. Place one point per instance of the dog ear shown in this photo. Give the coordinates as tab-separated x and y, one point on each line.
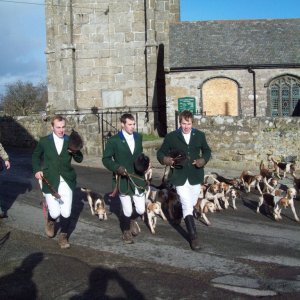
205	209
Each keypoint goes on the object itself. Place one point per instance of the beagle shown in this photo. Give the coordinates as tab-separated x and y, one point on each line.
96	203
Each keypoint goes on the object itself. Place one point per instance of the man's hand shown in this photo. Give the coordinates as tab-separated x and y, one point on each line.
39	175
72	151
7	164
121	171
168	161
199	163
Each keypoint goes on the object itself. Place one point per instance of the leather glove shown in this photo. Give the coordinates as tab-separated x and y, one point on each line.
200	162
168	161
121	171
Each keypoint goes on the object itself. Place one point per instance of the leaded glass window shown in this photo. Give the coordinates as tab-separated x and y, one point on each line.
284	95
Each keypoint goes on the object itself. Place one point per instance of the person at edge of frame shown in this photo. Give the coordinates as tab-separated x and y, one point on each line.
4	156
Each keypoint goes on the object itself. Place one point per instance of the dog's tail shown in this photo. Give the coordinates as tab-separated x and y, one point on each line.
245	172
210	176
261	166
85	190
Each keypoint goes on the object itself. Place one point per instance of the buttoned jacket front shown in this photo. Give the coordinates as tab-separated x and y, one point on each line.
53	165
196	148
117	153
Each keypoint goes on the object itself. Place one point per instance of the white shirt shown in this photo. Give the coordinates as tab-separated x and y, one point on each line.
187	137
130	140
59	142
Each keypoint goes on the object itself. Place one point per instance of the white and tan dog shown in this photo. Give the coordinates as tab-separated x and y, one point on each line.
202	207
213	193
283	167
96	203
270	201
249	180
296	183
287	201
232	195
154	209
276	202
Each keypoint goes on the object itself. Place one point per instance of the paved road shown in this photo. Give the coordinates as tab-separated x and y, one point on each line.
244	254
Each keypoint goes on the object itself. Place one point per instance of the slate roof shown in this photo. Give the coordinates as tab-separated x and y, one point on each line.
234	43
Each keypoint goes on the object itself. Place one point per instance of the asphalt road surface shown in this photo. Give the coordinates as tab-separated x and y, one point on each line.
244	255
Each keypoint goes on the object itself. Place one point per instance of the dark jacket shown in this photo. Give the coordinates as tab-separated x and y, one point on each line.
196	148
45	158
117	153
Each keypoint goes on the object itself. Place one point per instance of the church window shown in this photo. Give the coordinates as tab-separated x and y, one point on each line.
284	94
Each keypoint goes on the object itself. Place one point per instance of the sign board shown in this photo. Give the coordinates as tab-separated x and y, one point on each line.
112	99
187	103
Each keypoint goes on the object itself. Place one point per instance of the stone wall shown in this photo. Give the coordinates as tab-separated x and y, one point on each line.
104	53
191	84
237	143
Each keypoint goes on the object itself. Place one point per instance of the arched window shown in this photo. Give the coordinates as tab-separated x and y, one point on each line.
284	95
220	96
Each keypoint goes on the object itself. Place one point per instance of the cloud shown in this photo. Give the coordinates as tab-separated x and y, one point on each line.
23	42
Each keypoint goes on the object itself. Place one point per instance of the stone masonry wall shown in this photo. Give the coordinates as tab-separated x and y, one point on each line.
189	84
101	53
237	143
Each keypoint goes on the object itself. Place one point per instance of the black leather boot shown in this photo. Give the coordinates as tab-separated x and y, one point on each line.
191	228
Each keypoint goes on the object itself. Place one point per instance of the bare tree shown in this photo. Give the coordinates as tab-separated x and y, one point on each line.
23	98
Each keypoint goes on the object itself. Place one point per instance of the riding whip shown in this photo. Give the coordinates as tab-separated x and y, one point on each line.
54	193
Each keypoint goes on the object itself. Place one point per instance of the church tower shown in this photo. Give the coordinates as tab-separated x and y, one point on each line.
108	54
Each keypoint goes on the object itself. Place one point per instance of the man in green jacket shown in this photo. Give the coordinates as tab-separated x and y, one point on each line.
5	158
120	153
189	174
51	161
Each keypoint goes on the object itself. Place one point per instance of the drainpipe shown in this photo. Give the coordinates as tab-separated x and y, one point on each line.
250	70
146	60
73	55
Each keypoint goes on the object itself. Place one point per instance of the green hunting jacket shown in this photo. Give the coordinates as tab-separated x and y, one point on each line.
53	165
117	153
196	148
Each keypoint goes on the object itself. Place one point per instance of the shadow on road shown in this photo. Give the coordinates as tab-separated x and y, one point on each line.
100	278
19	284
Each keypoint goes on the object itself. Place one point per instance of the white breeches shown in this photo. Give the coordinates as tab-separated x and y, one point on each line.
63	205
138	200
188	197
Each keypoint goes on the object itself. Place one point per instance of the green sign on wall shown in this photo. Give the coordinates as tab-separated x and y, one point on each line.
187	103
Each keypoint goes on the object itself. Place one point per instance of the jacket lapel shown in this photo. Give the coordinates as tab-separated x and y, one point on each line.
180	136
124	143
52	147
65	145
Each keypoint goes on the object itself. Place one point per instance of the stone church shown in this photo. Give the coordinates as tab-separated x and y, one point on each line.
136	55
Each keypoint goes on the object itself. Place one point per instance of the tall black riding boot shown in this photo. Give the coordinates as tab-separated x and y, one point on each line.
191	228
127	235
63	236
